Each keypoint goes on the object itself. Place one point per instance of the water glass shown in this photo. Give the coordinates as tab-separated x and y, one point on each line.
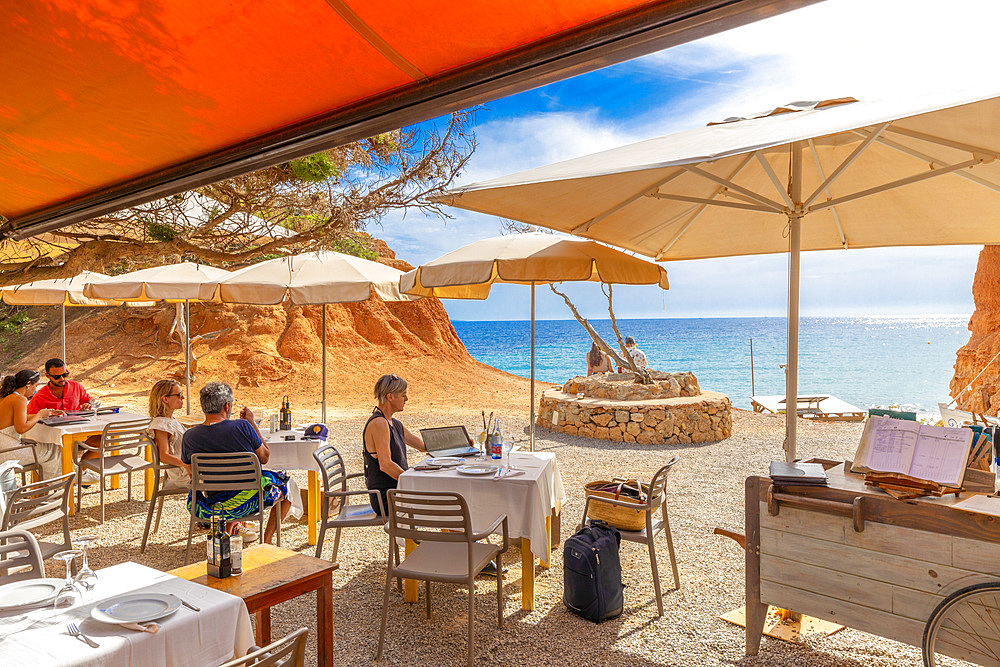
86	577
508	445
69	594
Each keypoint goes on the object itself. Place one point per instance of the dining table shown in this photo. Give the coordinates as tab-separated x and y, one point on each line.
64	435
291	450
531	498
218	631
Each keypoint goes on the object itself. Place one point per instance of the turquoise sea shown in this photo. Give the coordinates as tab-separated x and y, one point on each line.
866	361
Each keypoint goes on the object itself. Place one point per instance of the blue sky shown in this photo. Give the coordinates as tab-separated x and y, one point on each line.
864	49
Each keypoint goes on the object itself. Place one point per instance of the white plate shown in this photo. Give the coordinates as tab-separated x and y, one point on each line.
136	608
477	469
29	593
446	461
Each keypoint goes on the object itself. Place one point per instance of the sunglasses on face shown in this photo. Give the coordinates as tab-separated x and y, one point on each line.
56	377
179	394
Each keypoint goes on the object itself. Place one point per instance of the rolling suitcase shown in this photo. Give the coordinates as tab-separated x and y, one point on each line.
592	572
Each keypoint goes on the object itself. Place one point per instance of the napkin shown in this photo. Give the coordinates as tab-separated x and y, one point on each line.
152	628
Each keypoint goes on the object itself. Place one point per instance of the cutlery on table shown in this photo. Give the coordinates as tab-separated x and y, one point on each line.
190	606
152	628
74	630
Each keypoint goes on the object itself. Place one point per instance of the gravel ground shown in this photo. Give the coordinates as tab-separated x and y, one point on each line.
705	491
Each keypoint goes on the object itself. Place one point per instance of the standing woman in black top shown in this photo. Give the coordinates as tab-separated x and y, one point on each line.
385	440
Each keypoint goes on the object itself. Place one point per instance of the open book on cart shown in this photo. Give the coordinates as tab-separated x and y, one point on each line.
935	453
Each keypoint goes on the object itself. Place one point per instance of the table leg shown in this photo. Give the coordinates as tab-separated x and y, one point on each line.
324	622
67	466
546	562
148	487
263	633
312	507
410	586
527	576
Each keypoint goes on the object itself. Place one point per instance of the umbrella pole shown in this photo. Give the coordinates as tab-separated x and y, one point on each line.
187	354
531	425
794	254
64	332
323	419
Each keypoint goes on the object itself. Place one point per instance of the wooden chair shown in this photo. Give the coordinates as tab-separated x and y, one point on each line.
160	491
18	548
331	467
656	499
230	471
116	437
34	466
39	503
288	651
447	549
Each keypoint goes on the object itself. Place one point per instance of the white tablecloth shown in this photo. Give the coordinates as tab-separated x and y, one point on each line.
291	454
45	433
186	638
526	499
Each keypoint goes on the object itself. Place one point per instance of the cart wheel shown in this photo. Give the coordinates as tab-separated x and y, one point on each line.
965	626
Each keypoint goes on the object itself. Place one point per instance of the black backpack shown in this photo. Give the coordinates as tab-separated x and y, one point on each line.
592	572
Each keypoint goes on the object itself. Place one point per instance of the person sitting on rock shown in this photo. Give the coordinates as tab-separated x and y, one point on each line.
638	356
597	361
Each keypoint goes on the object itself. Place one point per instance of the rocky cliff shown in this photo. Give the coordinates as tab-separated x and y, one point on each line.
265	352
984	343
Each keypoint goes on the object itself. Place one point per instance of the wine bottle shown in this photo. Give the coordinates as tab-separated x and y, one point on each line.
222	564
286	415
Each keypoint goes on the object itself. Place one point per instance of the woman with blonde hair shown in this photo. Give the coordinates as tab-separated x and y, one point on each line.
385	440
165	398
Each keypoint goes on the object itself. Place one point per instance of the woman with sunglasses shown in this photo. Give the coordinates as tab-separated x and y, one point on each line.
14	420
165	398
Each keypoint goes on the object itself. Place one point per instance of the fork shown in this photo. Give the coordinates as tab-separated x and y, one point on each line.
74	630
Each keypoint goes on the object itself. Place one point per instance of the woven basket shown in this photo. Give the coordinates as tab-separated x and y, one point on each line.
623	518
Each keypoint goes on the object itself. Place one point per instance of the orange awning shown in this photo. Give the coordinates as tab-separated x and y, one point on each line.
109	103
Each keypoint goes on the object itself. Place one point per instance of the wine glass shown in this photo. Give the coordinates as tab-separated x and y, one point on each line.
69	593
86	577
508	445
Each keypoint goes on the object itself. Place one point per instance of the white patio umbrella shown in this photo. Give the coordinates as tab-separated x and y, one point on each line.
527	259
56	292
807	176
320	277
174	283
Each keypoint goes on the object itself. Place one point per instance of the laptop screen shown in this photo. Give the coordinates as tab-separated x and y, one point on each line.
446	441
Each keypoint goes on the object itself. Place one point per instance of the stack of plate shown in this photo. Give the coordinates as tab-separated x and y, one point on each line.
29	593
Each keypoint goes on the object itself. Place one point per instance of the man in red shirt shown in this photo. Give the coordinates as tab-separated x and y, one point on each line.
60	393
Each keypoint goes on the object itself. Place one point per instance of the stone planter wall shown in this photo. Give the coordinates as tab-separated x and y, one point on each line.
706	417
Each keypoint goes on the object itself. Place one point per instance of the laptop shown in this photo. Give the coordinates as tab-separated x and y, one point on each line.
448	441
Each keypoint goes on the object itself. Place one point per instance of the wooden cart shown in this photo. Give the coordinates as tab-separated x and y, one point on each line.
857	557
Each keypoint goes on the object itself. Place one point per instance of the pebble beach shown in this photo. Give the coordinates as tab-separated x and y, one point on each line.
704	491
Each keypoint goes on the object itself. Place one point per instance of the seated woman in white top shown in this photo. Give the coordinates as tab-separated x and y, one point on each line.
14	420
165	397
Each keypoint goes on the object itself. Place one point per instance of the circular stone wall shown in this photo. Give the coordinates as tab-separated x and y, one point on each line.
706	417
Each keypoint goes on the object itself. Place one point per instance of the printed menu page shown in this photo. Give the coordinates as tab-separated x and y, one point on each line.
936	453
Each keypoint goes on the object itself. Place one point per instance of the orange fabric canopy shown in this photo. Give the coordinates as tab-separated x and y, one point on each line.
106	103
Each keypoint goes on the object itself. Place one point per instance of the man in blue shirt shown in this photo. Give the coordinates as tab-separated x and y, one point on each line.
220	434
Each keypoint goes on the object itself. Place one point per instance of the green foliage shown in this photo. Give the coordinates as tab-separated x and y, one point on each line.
352	246
160	232
11	324
314	168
